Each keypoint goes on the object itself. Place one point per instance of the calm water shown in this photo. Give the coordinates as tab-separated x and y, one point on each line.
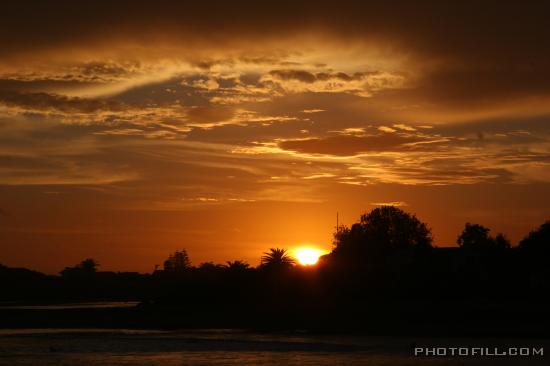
78	305
226	347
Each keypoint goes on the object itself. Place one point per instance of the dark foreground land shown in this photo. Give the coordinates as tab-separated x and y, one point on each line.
480	318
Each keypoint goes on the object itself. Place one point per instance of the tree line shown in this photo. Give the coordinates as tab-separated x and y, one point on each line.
387	252
383	274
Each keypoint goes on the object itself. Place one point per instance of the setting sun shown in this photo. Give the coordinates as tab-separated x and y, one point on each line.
308	256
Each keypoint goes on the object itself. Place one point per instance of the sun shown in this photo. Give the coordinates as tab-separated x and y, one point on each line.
308	256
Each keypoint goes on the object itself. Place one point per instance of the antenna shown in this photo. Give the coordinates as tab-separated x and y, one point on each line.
336	221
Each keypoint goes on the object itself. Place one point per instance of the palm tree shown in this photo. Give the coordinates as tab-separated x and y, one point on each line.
277	257
237	265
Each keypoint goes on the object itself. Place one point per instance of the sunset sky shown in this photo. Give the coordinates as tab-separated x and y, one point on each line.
129	131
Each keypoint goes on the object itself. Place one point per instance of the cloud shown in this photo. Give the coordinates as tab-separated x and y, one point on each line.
315	110
441	156
208	115
377	91
354	131
49	170
386	129
473	57
360	83
319	176
38	102
208	84
298	75
112	116
404	127
348	145
392	203
207	118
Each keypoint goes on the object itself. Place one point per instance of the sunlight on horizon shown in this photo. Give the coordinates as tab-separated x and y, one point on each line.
308	256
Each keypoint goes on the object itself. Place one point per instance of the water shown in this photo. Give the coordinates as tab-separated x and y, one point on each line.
77	305
116	347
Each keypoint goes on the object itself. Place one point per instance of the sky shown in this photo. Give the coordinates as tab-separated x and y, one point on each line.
131	130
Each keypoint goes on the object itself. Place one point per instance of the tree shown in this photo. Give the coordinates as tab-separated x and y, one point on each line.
277	258
535	249
476	237
210	267
86	267
485	261
177	262
89	265
237	266
537	242
502	242
383	230
473	236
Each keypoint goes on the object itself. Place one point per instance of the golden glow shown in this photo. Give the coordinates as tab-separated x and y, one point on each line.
308	256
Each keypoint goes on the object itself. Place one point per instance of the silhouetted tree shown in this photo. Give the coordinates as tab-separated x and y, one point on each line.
89	265
85	268
383	230
277	258
502	242
177	262
210	267
387	250
476	237
537	242
484	262
534	252
237	266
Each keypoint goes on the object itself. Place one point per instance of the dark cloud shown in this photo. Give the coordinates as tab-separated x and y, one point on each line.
476	30
210	114
479	85
39	85
437	173
300	75
343	76
308	77
468	52
58	103
106	70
